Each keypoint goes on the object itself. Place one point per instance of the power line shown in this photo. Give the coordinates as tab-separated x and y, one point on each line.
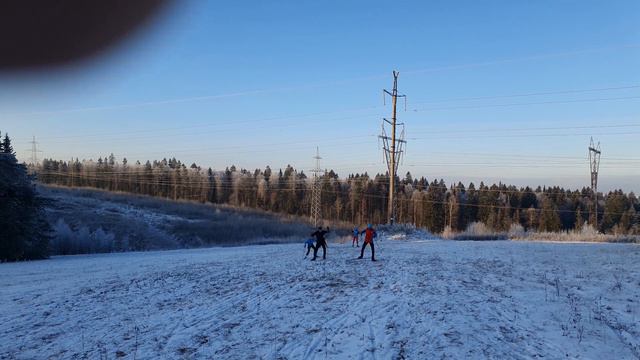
626	133
528	103
524	58
457	131
465	154
217	127
330	83
477	130
202	184
540	93
519	156
275	118
554	162
263	147
411	200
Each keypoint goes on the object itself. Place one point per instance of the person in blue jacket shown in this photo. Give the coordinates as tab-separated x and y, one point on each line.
308	244
356	237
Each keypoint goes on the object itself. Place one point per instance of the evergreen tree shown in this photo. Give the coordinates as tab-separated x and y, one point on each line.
615	206
211	194
532	219
6	145
549	218
579	220
625	221
24	230
436	203
408	179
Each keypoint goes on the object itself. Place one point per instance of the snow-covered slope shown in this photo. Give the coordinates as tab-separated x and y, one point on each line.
423	299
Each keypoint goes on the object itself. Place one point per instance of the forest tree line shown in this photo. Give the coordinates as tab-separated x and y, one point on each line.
358	198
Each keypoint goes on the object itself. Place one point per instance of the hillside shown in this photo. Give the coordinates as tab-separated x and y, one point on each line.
94	221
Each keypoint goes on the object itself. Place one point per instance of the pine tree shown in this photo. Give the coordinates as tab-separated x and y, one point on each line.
579	220
616	204
25	232
549	218
625	221
435	206
211	194
6	145
532	219
408	179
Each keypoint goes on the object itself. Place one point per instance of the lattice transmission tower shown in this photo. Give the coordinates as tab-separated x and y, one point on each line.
34	152
594	166
316	197
393	145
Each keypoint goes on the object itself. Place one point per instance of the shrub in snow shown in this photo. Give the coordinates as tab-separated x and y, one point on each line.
102	241
476	231
478	228
588	230
121	243
448	233
66	241
402	231
82	241
586	233
516	231
63	237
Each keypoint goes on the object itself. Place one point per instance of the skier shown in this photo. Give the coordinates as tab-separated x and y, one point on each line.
356	237
320	242
309	245
370	233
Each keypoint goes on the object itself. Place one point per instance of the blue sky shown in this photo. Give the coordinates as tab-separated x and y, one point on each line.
497	90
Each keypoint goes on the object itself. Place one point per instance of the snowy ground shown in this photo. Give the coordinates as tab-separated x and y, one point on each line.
423	299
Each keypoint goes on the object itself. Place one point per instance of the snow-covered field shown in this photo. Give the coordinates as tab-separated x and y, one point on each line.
424	299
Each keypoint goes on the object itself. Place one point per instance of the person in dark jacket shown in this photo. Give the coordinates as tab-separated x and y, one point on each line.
369	234
320	242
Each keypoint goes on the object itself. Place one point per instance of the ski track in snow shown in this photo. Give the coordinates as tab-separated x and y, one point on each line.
425	299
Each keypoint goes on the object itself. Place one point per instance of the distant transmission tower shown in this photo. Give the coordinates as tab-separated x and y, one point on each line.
594	165
392	146
34	152
315	191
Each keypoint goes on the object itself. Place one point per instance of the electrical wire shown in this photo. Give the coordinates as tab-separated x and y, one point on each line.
410	200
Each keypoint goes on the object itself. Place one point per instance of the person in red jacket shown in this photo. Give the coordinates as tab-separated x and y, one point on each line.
369	234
